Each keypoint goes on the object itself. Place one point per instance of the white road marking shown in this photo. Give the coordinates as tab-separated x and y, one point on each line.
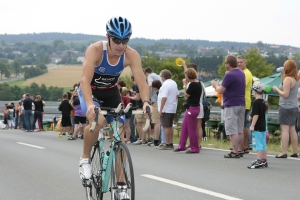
30	145
215	194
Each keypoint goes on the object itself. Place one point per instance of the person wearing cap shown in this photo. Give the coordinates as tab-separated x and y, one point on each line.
288	107
103	63
258	127
233	90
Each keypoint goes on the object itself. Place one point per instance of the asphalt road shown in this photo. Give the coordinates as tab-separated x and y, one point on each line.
48	170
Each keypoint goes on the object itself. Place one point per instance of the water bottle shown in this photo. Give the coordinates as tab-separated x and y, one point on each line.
104	165
279	69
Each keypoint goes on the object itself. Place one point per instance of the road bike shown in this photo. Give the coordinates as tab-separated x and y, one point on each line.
115	165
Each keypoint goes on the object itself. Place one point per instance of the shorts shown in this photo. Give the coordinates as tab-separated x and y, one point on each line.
201	113
259	141
234	119
167	119
110	119
78	119
139	119
111	98
247	119
65	120
155	114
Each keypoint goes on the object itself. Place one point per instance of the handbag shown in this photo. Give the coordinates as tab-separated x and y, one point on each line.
186	105
206	106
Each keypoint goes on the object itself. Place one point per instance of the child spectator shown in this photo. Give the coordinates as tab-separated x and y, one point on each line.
65	107
258	127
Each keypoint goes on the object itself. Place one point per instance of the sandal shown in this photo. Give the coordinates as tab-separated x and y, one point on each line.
232	155
246	150
241	153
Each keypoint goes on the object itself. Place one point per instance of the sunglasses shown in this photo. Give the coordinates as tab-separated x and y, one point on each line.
119	41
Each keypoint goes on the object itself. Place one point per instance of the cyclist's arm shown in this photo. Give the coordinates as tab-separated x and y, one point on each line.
92	55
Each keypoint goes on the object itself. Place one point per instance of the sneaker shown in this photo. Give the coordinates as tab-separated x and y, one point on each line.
165	147
137	142
59	135
265	164
72	138
85	171
150	140
81	137
159	145
256	165
122	192
127	142
150	144
144	142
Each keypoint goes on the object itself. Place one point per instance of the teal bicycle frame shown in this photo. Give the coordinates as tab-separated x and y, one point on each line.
115	128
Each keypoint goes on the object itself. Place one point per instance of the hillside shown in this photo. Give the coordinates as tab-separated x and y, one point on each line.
63	76
49	37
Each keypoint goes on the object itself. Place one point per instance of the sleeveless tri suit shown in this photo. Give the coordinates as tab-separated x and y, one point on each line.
104	82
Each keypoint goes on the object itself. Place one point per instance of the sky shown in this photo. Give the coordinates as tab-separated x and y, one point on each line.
269	21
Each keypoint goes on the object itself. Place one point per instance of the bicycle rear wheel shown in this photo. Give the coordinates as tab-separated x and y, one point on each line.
122	172
94	191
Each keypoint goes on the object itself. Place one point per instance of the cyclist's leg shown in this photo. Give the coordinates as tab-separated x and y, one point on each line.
91	137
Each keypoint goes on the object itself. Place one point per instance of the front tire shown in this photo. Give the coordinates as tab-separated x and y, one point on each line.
122	171
95	192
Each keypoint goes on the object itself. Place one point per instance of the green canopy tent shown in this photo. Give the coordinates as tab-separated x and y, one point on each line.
272	80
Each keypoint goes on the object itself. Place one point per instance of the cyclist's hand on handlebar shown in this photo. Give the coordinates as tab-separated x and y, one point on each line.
145	110
90	113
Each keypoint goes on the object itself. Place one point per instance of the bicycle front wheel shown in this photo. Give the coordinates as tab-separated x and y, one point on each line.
94	192
122	173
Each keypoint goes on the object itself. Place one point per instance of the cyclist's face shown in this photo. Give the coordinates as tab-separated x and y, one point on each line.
118	46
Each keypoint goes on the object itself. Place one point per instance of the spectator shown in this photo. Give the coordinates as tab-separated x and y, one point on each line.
139	120
5	110
233	90
18	115
288	107
79	118
40	124
258	127
27	103
151	76
201	113
121	84
125	100
192	89
131	95
156	85
38	105
247	144
65	107
167	105
10	116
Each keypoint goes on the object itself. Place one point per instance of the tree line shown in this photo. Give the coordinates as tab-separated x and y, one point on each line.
15	93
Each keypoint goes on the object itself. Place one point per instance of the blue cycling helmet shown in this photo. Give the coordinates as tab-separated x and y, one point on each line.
119	27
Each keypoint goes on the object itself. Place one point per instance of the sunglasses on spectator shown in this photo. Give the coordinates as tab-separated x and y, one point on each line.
119	41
